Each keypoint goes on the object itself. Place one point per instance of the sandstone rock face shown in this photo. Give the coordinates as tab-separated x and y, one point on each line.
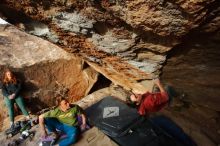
136	35
195	68
45	69
160	17
20	49
165	18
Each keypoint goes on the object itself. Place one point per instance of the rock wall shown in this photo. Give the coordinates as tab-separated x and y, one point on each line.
194	64
45	69
194	68
129	39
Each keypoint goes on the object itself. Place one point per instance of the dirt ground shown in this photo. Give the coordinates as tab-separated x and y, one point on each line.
200	123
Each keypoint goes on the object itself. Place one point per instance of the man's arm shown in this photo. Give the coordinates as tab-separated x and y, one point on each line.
42	126
83	119
164	96
158	83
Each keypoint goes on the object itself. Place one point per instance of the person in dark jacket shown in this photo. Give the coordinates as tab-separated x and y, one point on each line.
11	87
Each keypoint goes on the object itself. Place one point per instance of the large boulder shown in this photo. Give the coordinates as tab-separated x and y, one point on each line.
45	69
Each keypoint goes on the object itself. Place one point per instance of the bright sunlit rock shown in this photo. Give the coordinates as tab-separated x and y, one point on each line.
3	21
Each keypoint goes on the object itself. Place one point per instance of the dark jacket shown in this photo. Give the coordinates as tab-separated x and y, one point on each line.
8	89
0	84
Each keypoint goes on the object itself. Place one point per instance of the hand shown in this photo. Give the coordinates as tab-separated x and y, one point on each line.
157	82
43	134
83	127
12	96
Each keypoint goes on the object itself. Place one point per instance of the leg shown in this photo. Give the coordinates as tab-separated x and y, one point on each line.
52	124
10	105
20	102
72	133
173	129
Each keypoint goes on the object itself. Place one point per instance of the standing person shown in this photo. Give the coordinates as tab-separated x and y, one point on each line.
62	118
150	102
11	87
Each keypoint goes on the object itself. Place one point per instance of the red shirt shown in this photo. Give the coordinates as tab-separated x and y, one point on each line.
152	102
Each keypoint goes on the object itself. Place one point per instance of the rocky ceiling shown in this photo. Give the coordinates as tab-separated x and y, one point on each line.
126	41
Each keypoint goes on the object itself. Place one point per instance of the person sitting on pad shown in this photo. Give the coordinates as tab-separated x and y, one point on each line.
64	119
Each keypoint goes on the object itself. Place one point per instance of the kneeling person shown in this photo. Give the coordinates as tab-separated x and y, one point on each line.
64	119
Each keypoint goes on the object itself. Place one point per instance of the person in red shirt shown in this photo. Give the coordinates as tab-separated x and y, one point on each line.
150	102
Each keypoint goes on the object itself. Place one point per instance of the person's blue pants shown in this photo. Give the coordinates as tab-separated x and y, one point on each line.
71	131
10	105
173	129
